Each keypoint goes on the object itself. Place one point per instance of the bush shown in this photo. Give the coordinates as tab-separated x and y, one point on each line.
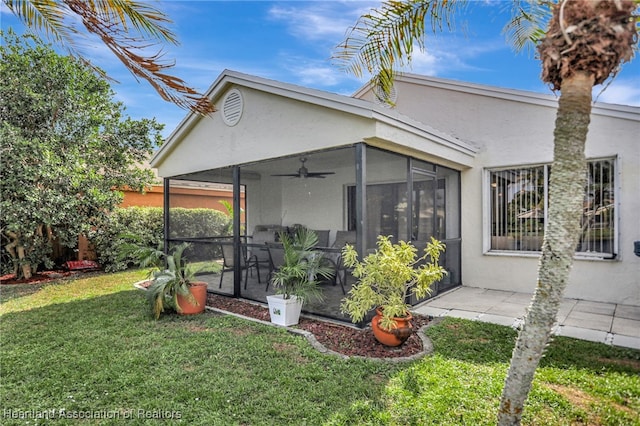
197	223
146	223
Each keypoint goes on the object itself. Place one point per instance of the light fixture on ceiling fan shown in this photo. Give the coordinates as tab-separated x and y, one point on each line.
303	172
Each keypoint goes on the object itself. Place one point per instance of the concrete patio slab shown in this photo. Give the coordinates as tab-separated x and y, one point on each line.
595	307
626	341
470	315
507	321
589	321
583	334
434	312
627	327
497	295
628	311
520	298
513	310
566	306
607	323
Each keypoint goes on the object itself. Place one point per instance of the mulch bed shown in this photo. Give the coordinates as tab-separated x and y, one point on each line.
38	278
343	339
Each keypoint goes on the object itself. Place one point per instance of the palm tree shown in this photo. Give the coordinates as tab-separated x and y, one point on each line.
128	28
585	44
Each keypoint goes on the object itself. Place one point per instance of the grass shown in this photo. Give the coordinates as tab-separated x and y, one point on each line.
89	347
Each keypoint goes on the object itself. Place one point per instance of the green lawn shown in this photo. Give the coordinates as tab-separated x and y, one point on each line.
89	347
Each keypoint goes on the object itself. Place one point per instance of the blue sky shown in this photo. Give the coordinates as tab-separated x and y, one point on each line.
292	41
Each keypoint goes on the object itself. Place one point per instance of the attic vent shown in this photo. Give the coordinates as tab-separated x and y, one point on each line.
382	99
232	107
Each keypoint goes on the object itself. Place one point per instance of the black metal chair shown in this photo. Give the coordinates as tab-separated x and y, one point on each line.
247	262
276	259
343	238
323	238
335	254
333	258
258	247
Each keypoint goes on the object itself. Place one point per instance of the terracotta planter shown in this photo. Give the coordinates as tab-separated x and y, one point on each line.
199	292
397	335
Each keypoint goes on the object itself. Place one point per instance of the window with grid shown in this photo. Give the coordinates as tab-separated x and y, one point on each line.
519	201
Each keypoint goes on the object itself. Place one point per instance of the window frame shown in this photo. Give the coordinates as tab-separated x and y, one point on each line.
488	213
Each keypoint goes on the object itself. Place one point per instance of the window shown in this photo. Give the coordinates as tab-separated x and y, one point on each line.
519	200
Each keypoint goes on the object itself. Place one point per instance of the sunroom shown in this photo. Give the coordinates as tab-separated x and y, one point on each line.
346	168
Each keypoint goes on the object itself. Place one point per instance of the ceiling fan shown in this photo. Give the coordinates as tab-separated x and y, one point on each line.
303	172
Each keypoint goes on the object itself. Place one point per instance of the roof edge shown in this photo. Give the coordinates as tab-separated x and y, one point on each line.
228	77
547	100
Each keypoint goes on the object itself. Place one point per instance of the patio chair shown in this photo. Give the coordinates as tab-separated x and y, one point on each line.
246	262
343	238
333	258
335	255
276	259
262	237
323	238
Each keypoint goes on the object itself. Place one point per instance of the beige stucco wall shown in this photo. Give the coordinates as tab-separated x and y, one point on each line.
508	128
310	202
259	134
512	132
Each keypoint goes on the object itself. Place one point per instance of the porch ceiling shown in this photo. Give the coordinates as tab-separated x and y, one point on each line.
329	160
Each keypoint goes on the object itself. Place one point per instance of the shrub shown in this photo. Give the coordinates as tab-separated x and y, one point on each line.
146	224
197	223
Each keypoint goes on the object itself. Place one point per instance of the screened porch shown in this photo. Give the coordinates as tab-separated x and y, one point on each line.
349	194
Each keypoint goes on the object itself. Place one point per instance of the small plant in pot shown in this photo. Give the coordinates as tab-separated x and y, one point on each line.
385	281
173	284
296	280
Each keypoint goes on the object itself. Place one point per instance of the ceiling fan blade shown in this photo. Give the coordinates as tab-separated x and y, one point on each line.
319	174
303	172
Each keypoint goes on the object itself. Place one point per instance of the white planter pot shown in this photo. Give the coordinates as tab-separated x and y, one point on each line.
284	311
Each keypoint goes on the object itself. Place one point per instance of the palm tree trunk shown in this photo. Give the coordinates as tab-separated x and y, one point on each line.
566	189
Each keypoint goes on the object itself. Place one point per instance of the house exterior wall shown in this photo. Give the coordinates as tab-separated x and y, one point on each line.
301	194
183	197
494	128
517	130
615	281
264	202
259	134
309	202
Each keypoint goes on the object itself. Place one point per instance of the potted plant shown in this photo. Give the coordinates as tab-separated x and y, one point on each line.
296	279
386	279
173	283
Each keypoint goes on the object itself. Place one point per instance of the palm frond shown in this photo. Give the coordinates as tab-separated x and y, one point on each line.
47	17
144	18
114	32
527	24
383	40
128	28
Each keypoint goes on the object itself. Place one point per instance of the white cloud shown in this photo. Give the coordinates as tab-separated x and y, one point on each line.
620	91
318	76
321	20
